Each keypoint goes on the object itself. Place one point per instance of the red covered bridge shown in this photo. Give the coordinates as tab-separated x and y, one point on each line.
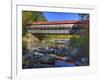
58	27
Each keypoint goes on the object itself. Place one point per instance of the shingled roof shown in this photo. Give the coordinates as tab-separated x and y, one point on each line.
60	22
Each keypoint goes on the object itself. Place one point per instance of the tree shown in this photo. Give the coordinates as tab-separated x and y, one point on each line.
84	36
38	16
83	40
26	17
84	16
29	17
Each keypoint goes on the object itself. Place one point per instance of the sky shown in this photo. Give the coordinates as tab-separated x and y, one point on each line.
58	16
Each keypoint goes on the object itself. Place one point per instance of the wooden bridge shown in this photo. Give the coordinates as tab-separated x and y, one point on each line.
57	27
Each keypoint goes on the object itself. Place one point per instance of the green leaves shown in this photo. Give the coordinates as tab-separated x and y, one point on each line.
29	17
83	40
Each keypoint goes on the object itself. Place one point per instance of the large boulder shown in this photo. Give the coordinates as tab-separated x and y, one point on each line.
47	59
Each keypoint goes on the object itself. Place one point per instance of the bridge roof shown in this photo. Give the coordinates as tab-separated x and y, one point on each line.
60	22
